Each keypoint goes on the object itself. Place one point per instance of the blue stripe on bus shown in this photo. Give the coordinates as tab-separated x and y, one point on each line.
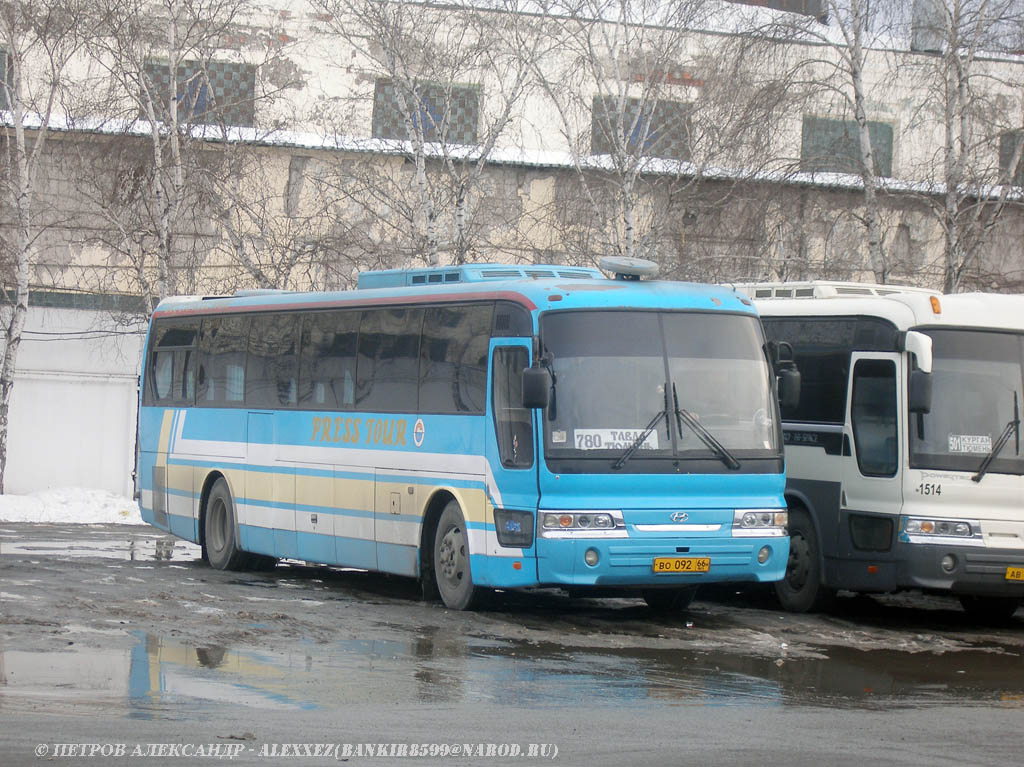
242	466
259	540
355	552
370	474
308	508
316	547
183	527
398	559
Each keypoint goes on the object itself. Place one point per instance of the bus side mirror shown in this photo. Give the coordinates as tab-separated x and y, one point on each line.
536	387
789	386
920	392
787	375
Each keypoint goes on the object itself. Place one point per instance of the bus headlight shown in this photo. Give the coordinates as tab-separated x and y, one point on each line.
597	524
947	528
759	523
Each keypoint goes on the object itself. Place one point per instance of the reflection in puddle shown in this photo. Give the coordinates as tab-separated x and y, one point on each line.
134	547
159	679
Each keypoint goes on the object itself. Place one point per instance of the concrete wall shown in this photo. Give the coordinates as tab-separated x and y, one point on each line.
74	406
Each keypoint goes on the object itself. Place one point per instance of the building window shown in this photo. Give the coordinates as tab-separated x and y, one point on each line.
1007	147
446	114
655	128
815	8
5	83
834	146
233	86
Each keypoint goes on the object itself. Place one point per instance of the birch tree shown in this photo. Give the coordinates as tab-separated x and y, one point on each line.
834	63
38	41
647	97
978	109
160	53
446	84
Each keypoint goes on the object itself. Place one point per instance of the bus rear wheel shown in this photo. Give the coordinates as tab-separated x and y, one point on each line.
801	589
452	571
990	609
220	545
669	600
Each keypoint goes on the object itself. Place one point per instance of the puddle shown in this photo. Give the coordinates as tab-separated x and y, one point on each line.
157	678
130	546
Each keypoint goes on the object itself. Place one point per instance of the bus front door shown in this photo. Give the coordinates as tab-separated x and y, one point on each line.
872	490
512	469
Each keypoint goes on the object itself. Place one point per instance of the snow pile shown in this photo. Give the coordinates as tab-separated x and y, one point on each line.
70	506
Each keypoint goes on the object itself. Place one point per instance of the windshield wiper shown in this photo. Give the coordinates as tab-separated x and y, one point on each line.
642	436
1013	427
685	416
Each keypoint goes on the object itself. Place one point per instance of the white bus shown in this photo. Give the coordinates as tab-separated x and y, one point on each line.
904	466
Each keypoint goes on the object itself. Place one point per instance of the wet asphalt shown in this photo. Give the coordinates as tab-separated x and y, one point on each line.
118	645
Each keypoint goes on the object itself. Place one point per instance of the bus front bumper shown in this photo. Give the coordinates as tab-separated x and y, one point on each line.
976	570
629	562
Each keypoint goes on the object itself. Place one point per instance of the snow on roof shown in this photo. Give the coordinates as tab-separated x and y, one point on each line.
509	156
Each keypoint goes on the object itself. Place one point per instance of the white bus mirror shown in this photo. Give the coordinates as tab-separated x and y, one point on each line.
920	346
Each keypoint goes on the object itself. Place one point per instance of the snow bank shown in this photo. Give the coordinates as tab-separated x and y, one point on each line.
80	506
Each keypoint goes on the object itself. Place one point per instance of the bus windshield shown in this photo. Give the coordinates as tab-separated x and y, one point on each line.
618	372
977	376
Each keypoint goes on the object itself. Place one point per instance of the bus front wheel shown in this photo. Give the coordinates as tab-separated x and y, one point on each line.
452	570
801	589
221	548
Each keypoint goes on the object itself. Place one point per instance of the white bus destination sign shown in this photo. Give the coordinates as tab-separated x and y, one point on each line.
612	439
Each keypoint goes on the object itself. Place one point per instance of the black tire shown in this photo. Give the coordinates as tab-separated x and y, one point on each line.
990	609
452	571
801	590
220	544
669	600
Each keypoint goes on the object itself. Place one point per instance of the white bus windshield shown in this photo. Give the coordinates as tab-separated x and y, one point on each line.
977	381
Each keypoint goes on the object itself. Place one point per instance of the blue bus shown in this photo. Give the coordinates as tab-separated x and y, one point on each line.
476	427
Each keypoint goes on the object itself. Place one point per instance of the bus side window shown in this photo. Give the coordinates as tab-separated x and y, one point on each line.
453	359
873	417
222	347
387	363
512	422
171	378
327	363
270	375
163	375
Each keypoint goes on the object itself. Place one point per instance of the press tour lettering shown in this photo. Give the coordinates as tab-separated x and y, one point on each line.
371	431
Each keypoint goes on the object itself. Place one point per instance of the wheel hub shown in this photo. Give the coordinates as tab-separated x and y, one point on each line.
449	556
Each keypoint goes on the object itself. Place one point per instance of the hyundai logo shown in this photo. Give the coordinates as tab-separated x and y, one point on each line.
680	516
